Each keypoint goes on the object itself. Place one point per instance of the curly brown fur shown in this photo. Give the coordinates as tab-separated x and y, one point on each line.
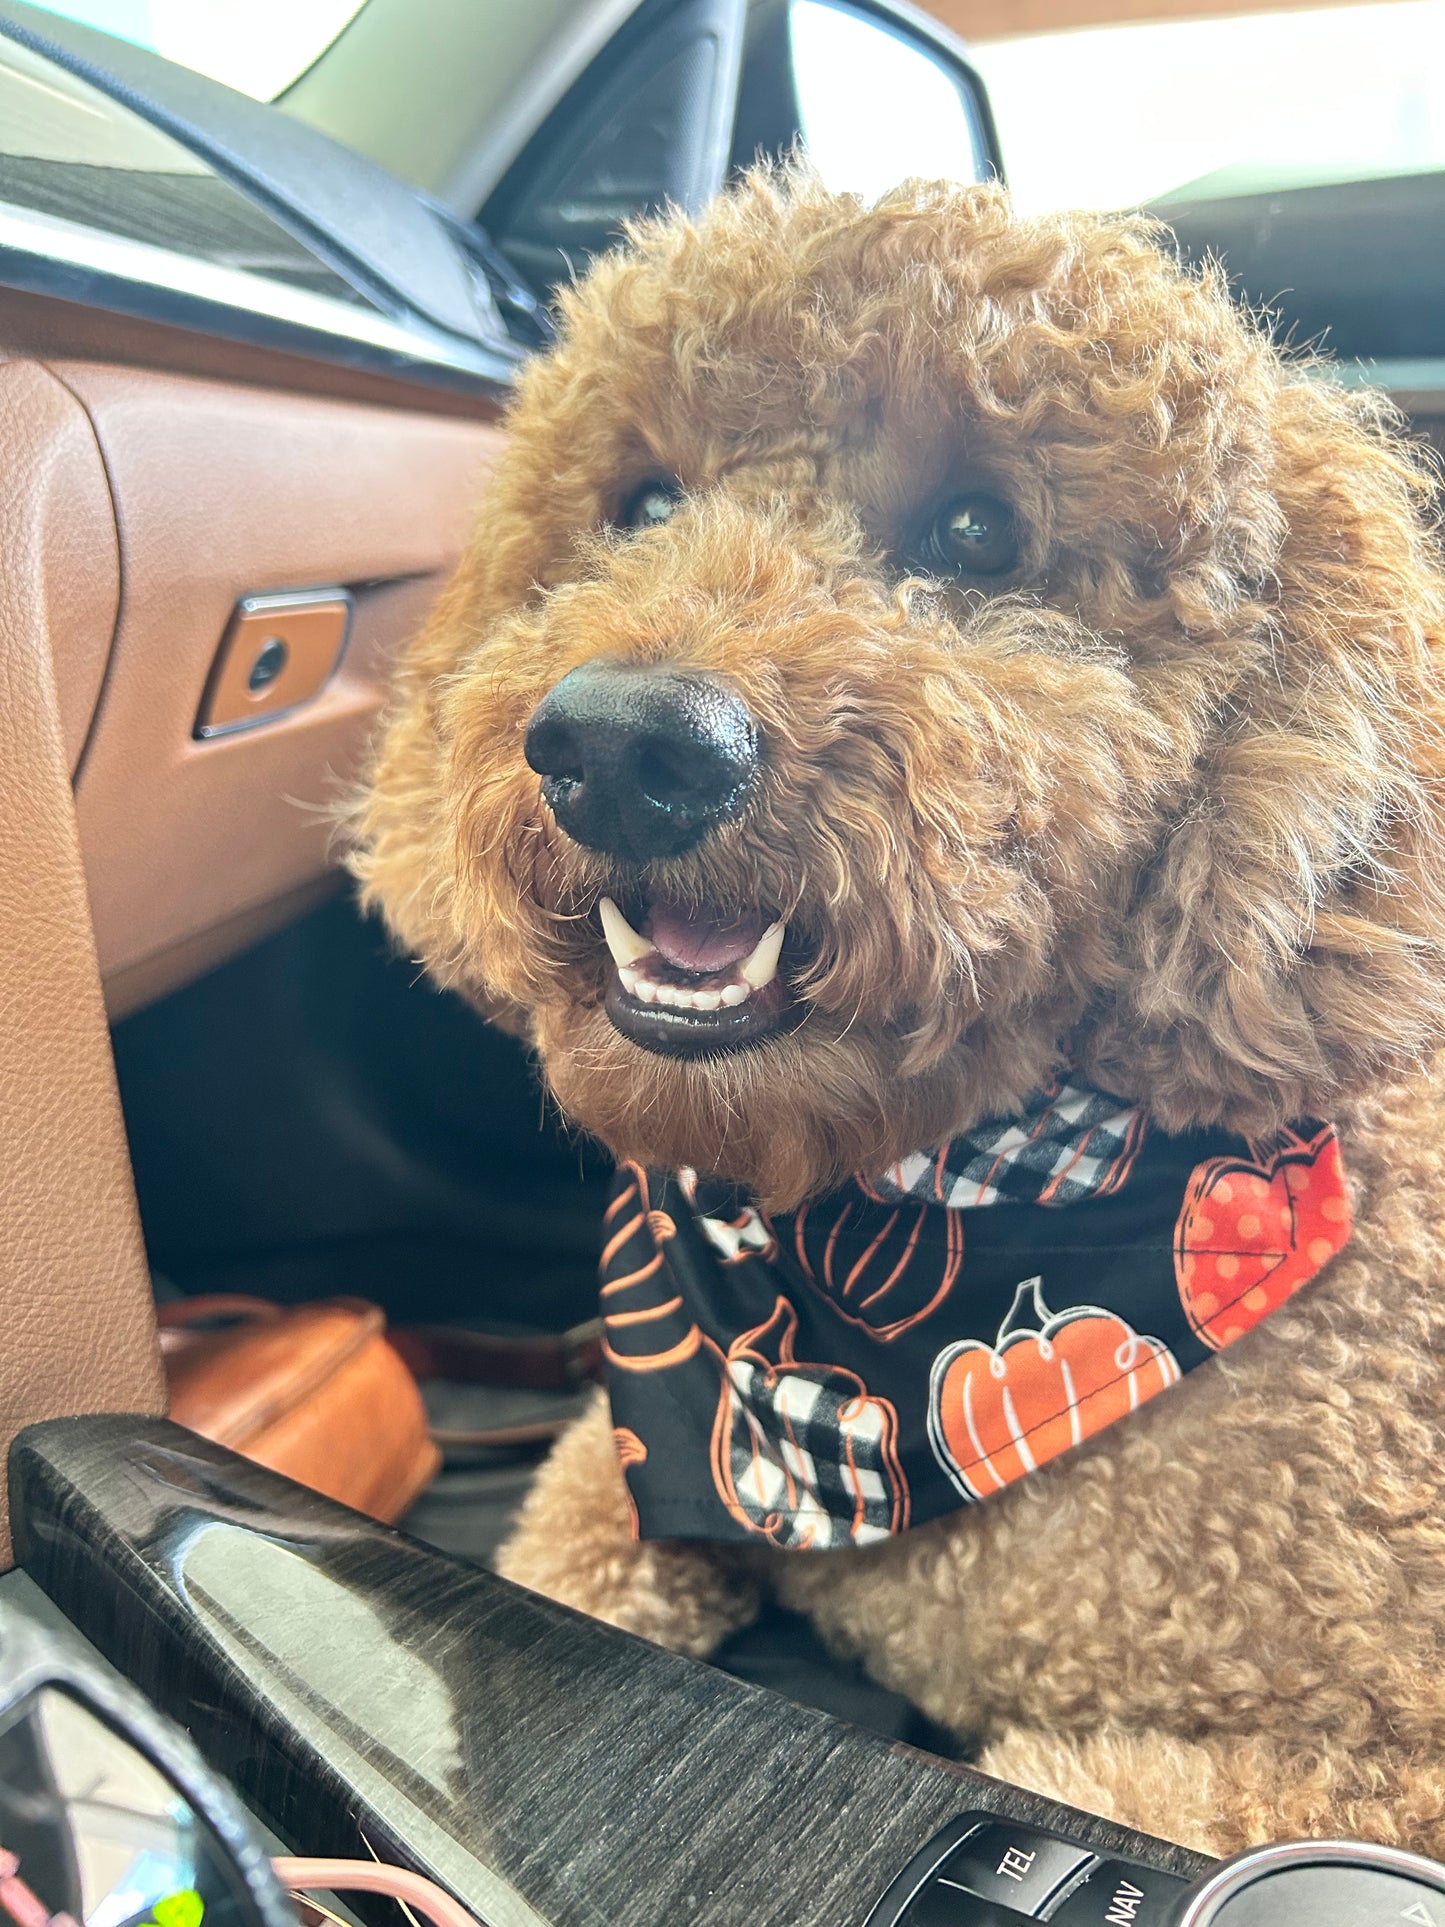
1255	1563
575	1544
1166	801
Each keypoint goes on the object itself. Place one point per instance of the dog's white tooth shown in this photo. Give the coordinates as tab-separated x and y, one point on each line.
622	940
706	999
646	990
762	966
628	979
670	994
732	994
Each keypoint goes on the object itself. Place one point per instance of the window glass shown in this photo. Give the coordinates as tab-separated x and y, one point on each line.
876	106
256	46
1200	109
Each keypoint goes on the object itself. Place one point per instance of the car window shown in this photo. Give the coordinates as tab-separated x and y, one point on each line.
867	96
1188	110
256	46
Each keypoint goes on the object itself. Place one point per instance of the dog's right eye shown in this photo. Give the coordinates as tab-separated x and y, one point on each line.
651	505
970	535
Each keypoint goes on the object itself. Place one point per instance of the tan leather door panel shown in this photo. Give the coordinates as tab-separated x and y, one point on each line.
193	848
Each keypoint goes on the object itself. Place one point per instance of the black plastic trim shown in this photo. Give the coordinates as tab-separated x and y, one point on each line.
667	29
382	236
432	363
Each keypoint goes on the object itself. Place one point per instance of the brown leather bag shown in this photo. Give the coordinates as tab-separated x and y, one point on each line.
314	1391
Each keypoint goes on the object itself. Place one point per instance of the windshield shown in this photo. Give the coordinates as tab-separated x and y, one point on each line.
1111	116
1188	110
256	46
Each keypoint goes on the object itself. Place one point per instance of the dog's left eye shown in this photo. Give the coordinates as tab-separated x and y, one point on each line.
651	505
970	535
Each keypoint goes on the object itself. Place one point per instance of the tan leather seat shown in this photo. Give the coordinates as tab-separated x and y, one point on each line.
77	1329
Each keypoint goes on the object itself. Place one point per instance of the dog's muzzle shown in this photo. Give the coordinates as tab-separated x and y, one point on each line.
640	764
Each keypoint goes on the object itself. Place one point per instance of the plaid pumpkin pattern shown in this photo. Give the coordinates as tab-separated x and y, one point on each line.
805	1458
1072	1143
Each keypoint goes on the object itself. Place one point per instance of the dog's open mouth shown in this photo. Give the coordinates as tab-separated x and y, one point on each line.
690	982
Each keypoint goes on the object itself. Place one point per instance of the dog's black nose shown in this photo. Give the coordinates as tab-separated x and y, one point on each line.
641	763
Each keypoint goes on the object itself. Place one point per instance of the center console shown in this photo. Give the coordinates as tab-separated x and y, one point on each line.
368	1696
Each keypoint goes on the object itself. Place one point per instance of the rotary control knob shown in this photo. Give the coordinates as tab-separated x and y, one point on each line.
1319	1883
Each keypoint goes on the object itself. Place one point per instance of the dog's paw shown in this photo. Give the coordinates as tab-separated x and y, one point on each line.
670	1594
1149	1781
574	1543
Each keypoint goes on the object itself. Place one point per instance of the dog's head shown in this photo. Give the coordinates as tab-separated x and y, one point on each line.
903	646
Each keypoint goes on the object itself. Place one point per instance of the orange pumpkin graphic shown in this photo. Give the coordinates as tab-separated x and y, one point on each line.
646	1326
1252	1230
998	1411
630	1451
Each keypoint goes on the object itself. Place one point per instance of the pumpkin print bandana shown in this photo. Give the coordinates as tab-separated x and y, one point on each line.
919	1341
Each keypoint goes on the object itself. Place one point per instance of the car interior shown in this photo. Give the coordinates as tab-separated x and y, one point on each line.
266	276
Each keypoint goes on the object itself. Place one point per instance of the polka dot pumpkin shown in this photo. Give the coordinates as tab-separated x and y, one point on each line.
1250	1233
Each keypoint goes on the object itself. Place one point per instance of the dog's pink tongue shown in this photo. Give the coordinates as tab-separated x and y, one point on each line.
703	939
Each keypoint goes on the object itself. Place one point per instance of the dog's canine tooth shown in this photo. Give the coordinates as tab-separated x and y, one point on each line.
622	940
762	966
628	950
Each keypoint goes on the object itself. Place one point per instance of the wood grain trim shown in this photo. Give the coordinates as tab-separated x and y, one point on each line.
542	1767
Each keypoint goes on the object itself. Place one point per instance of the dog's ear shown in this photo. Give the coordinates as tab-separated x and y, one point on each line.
397	830
1285	948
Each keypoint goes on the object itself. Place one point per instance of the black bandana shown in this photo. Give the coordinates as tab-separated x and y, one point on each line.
896	1349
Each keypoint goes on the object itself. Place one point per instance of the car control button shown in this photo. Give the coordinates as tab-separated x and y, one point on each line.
1118	1894
1015	1865
940	1905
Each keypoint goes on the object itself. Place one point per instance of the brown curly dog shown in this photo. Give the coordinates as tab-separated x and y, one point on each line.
983	609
